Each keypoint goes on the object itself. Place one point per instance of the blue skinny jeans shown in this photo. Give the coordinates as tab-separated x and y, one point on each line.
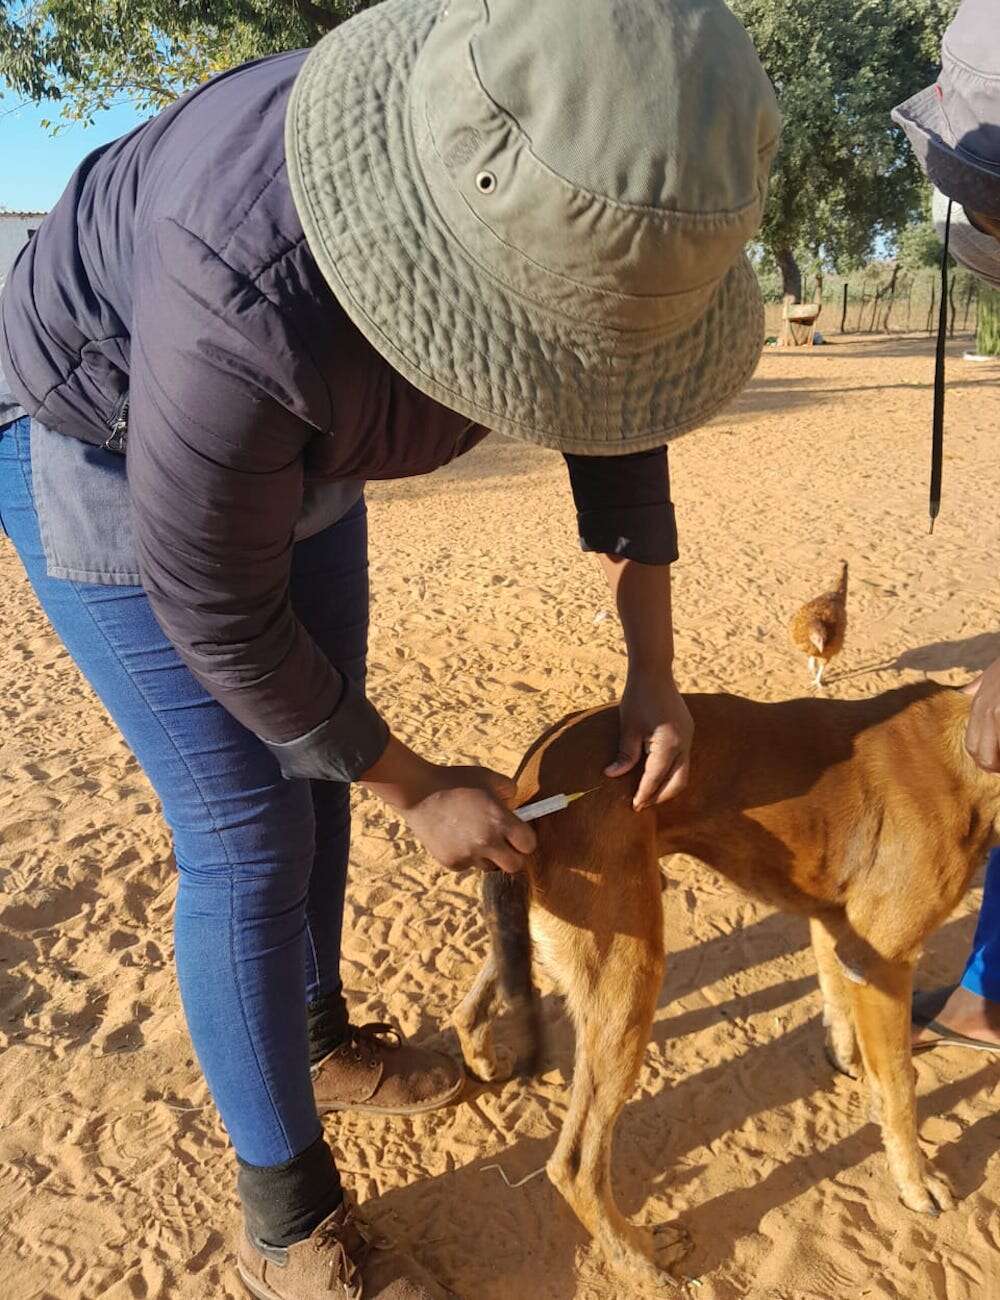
262	861
982	971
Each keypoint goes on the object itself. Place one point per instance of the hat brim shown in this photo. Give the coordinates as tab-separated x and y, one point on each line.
452	329
953	171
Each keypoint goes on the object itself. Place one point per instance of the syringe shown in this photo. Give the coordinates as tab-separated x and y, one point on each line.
553	804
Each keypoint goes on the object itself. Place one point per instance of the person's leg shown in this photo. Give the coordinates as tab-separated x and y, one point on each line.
982	971
355	1068
329	590
971	1008
244	844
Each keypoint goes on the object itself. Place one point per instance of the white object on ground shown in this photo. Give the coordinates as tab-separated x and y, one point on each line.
520	1182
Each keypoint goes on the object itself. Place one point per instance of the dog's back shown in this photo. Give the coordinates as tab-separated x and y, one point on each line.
825	804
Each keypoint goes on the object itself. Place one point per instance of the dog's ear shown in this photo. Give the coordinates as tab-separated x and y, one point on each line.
505	908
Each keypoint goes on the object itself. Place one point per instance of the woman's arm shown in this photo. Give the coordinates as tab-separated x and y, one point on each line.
625	516
655	721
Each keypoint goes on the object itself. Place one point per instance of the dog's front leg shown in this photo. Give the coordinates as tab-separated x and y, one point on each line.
882	1019
838	1016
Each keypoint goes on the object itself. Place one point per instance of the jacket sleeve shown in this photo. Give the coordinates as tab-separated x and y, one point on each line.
623	505
220	388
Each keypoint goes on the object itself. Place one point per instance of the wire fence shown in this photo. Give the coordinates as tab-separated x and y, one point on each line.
886	300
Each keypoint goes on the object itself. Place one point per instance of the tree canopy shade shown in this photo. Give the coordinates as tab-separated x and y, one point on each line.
843	178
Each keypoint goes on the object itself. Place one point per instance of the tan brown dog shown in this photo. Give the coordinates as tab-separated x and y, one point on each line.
867	816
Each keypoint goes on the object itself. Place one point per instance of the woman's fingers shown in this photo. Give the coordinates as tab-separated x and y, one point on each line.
982	737
629	753
676	780
520	835
665	775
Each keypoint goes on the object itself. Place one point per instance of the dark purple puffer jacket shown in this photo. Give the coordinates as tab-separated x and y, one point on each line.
174	275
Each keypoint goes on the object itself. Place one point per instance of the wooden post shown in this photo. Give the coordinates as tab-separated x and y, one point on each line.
968	301
892	298
951	307
930	310
786	333
843	314
875	306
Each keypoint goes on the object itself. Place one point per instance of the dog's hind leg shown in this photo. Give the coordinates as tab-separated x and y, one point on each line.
882	1018
473	1021
612	983
838	1015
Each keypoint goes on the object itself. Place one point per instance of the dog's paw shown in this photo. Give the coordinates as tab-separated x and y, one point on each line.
930	1196
843	1062
493	1066
670	1244
649	1256
841	1044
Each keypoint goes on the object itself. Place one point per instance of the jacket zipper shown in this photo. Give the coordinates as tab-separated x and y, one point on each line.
118	425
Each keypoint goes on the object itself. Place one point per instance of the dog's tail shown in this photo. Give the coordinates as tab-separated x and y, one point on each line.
505	907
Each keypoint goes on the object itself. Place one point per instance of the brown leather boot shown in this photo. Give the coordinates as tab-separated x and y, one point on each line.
340	1260
374	1070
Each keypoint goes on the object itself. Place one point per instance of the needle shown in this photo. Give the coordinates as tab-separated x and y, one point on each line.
553	804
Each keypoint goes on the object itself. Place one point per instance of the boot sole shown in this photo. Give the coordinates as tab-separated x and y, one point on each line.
420	1108
254	1287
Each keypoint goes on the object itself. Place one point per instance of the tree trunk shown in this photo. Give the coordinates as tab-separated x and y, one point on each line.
988	326
791	285
791	276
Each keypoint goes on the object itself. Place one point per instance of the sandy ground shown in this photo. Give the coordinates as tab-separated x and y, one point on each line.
115	1179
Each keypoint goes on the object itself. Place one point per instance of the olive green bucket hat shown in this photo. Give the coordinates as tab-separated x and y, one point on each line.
536	210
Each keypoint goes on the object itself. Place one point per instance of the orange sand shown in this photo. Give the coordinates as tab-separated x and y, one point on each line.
115	1178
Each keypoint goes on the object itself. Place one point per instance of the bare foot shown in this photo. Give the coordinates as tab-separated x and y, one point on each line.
958	1010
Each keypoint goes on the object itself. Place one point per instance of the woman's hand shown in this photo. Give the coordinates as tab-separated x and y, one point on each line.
982	737
654	718
655	722
464	821
459	814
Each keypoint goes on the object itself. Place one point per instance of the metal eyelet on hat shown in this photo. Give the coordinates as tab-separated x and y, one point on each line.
486	182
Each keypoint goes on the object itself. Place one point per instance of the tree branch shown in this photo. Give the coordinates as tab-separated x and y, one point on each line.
316	16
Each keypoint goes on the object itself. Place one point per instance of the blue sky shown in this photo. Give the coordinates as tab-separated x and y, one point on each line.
35	166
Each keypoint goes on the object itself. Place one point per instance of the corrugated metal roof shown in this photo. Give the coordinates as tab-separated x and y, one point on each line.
21	214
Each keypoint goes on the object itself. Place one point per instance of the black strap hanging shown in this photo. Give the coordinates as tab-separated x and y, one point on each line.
937	424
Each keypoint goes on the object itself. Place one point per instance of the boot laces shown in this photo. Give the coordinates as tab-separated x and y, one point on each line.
349	1240
366	1042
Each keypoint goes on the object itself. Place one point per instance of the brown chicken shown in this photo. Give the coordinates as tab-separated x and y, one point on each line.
819	627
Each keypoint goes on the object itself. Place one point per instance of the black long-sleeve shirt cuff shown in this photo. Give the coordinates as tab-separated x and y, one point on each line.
342	748
623	505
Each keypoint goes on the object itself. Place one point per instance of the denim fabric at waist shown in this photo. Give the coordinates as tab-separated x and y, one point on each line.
84	514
